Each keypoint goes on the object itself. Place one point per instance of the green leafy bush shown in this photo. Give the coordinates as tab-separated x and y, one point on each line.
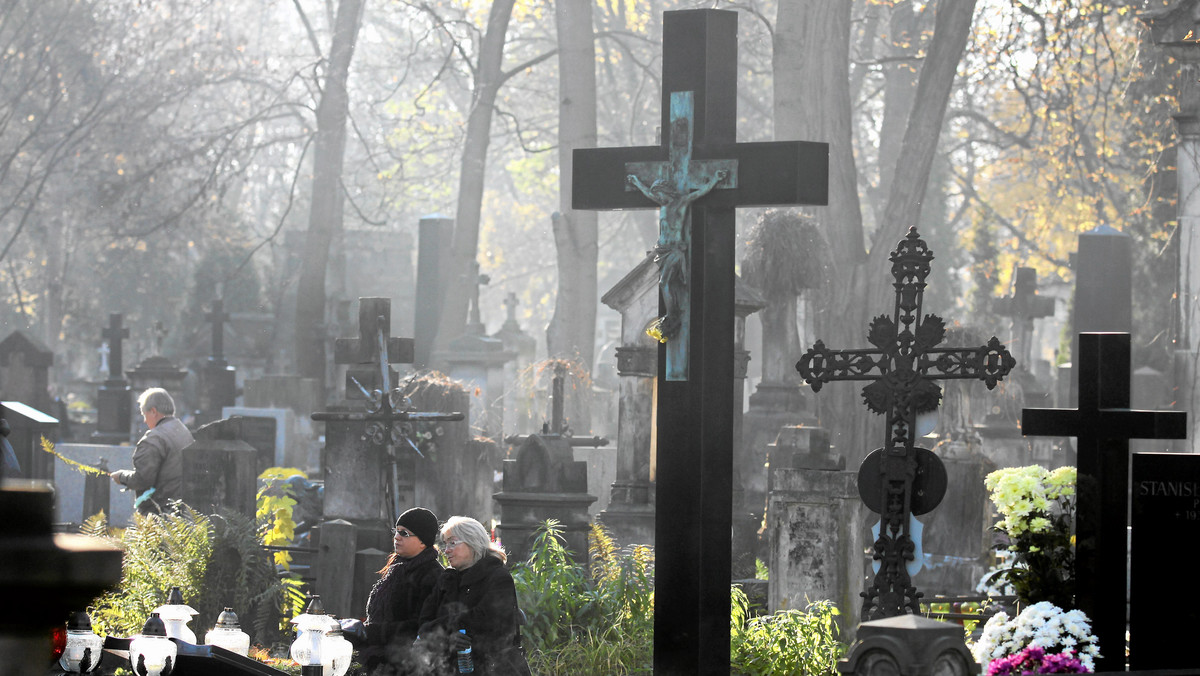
216	561
791	642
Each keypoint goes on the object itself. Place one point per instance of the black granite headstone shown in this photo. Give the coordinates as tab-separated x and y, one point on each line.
1166	516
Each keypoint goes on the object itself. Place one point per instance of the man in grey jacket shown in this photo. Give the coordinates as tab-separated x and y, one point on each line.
157	474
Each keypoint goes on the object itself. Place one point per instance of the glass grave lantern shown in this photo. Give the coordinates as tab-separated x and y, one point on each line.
309	648
82	654
228	634
151	653
340	651
175	615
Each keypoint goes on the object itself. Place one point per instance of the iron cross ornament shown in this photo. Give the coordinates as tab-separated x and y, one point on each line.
901	480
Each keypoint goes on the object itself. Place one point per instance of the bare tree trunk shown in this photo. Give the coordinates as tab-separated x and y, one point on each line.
325	216
811	62
488	79
571	334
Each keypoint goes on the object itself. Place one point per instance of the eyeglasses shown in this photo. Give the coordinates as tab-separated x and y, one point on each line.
401	532
451	544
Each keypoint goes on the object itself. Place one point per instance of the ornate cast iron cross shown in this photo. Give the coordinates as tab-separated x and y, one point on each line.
900	479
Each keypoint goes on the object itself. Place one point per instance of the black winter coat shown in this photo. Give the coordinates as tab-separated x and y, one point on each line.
394	609
482	600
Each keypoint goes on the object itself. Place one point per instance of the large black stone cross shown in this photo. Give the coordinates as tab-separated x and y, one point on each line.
694	432
901	480
1103	425
115	334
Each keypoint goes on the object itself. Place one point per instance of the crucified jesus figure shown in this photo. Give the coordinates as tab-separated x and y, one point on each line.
671	252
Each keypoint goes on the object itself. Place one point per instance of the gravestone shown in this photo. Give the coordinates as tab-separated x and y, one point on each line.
434	234
478	360
630	512
1166	513
29	425
544	481
815	522
158	371
71	504
218	387
25	370
1103	425
519	406
114	405
1023	307
220	470
276	429
697	176
302	396
901	481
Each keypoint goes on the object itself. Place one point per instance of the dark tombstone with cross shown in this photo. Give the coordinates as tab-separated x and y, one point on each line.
218	378
1103	425
901	480
114	405
545	481
696	177
368	457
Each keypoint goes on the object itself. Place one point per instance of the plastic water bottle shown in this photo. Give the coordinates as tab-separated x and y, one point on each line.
466	661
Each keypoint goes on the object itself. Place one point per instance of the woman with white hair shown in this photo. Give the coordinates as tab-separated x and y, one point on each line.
474	604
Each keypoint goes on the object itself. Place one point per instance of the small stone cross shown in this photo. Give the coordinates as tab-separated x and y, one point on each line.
115	334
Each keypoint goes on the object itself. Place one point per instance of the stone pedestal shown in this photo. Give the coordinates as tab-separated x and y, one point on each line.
909	644
630	512
25	370
818	531
543	482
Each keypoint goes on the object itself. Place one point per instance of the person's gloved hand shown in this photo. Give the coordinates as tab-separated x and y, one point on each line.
459	641
354	631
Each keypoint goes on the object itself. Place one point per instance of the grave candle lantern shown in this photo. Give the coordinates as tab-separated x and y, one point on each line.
175	615
339	650
308	650
151	652
228	634
82	653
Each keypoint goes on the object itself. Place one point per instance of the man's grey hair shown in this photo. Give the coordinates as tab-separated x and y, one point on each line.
158	399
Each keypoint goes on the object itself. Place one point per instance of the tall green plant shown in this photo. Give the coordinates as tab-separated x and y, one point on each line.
161	551
790	642
597	620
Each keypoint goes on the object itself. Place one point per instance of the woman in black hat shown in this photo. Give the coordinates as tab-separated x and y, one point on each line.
395	602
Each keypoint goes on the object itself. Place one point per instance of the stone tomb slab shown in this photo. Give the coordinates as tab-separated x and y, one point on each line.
68	483
1166	517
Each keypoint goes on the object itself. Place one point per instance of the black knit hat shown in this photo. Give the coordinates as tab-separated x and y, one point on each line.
420	522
